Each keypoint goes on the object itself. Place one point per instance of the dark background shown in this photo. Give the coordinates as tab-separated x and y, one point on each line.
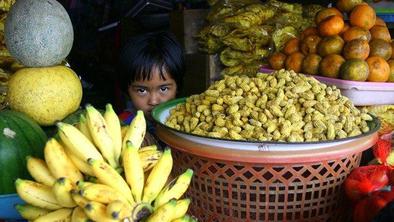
94	55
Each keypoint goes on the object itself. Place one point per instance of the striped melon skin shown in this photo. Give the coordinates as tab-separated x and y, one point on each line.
38	33
20	136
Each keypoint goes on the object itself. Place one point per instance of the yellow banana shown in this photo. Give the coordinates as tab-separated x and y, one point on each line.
123	131
141	211
79	215
77	143
97	212
38	169
133	170
98	131
164	213
186	218
147	148
61	215
30	212
118	210
83	127
175	189
102	193
158	177
83	166
78	199
149	164
136	130
149	159
61	188
114	130
36	194
83	184
181	208
59	163
150	154
109	176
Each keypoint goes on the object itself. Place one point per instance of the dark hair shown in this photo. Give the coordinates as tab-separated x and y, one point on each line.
145	51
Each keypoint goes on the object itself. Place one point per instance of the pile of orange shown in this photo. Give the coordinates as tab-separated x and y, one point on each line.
358	49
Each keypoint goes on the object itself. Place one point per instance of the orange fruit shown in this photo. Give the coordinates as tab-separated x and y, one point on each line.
325	13
294	61
356	49
379	47
310	65
363	16
356	32
309	31
354	69
292	45
309	44
330	65
332	25
380	32
392	50
345	28
380	21
330	45
379	69
347	5
391	64
277	60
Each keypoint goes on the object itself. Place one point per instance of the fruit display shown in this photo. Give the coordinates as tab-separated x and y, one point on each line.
38	33
281	106
20	137
245	32
358	48
94	172
47	94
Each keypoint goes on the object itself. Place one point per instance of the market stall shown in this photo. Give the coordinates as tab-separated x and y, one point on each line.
293	120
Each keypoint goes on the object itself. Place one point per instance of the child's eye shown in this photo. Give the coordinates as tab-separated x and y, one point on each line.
164	88
141	91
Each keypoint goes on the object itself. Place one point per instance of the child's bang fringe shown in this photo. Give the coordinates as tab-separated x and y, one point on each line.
145	72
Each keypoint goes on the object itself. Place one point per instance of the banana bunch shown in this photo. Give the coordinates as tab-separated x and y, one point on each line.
97	171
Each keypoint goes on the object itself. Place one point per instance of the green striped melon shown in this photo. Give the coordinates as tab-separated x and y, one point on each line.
20	136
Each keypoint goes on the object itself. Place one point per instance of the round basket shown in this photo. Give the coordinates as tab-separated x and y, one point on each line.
231	185
242	185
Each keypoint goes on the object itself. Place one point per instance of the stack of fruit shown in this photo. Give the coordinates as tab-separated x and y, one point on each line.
94	172
44	89
359	49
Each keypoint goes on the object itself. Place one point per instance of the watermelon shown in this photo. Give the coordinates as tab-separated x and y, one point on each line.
20	136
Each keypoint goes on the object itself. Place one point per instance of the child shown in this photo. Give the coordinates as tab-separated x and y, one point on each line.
152	66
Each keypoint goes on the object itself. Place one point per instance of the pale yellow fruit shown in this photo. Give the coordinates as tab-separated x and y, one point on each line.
47	94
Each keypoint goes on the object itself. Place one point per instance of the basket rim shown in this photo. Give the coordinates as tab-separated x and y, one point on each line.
263	156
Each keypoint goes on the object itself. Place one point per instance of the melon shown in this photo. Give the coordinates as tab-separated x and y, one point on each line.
20	137
38	32
47	94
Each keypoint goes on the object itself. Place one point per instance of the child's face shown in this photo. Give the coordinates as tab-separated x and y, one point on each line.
146	94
